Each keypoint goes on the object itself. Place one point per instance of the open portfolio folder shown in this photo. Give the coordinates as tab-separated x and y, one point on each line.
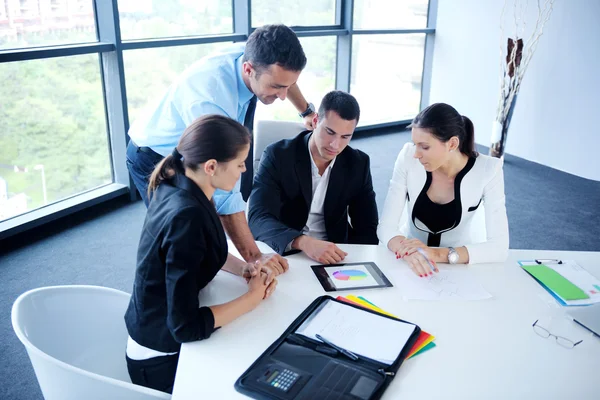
332	350
423	343
363	333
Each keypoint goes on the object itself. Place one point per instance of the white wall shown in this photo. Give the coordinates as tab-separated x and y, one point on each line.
557	116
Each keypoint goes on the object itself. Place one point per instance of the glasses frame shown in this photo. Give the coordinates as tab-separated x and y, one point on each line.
560	340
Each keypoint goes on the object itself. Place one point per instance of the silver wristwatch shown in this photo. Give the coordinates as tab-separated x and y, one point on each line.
452	255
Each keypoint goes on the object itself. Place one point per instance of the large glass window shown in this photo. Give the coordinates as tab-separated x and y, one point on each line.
293	12
27	23
315	81
149	72
386	76
142	19
53	141
386	14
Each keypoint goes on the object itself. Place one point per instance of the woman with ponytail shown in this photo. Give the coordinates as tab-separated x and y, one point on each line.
182	247
441	180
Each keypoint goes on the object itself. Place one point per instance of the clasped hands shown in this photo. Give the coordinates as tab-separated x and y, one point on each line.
265	268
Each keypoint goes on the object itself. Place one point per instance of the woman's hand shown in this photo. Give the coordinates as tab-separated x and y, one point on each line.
416	254
402	246
419	265
258	286
410	246
252	269
395	243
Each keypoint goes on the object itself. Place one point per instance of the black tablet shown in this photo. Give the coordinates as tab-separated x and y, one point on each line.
350	276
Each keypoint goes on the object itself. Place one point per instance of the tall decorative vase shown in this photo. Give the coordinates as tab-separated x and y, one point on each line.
497	140
500	131
514	65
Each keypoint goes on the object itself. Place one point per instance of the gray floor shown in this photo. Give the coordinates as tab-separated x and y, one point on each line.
547	209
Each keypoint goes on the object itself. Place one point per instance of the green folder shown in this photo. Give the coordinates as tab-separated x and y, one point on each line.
555	282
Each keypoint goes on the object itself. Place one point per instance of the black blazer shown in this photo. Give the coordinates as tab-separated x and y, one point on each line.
282	195
182	247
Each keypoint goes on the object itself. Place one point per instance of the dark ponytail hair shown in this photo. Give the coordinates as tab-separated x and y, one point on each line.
444	122
208	137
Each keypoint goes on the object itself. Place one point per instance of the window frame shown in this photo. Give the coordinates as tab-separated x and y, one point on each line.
110	48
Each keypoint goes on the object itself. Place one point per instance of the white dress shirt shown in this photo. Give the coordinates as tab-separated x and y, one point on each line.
136	351
315	224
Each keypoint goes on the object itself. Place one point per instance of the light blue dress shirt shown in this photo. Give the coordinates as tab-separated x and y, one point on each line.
213	85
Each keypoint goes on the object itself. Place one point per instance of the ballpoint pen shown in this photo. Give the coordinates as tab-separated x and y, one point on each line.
345	352
422	252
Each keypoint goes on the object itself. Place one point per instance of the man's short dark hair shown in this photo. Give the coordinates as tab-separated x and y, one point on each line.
274	44
342	103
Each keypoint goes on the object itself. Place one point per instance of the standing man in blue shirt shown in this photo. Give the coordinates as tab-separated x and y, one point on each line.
228	84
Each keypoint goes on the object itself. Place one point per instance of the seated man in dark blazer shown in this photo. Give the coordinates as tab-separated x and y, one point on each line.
314	190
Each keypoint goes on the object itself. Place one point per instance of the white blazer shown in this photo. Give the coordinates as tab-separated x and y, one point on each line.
484	183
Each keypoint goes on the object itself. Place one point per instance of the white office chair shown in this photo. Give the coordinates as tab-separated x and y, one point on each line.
76	338
267	132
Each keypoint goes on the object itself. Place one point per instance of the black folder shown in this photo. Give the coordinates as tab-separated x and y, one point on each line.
297	367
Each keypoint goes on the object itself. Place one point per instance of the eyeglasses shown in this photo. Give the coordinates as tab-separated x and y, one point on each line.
545	333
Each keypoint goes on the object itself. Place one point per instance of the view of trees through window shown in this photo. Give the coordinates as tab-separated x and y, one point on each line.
293	12
53	131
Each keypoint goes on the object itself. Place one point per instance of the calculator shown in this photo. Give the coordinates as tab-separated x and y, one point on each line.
280	378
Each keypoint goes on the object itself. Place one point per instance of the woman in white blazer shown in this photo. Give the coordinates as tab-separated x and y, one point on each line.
442	180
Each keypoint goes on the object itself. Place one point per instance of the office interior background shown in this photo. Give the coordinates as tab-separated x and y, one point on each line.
75	73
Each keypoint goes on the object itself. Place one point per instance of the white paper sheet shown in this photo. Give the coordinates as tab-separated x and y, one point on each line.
451	284
359	276
580	278
360	332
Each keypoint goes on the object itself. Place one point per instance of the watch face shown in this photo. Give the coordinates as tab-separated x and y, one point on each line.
453	257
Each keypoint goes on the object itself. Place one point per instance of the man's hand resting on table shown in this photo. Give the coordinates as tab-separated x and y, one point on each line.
319	250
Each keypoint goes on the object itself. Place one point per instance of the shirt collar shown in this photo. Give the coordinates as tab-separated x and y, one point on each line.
182	182
244	94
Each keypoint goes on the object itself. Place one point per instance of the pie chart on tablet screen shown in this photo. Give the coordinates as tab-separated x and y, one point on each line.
349	275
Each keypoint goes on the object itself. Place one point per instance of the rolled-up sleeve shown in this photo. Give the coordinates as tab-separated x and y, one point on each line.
231	202
225	202
495	248
184	247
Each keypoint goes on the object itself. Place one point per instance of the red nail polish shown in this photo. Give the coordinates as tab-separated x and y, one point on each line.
406	253
420	276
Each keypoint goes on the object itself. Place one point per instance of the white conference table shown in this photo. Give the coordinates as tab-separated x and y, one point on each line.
485	349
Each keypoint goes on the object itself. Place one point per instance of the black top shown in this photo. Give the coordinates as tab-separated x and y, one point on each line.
282	195
182	247
439	218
